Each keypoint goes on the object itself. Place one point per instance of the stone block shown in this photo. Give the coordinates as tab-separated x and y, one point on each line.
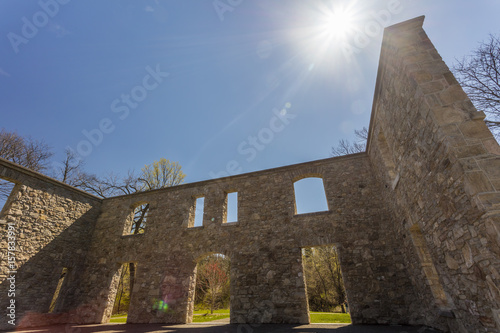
476	182
448	115
431	87
475	130
470	151
451	95
492	146
489	201
421	76
491	167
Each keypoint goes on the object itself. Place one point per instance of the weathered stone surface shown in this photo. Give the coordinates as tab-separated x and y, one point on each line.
447	189
416	220
52	227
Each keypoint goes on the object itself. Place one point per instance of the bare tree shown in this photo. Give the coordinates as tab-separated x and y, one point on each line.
156	175
213	279
345	147
70	170
27	152
325	287
109	185
479	75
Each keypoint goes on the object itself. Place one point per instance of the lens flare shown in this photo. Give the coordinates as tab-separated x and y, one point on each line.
160	305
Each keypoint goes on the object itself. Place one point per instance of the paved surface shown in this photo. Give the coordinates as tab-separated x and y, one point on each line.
226	328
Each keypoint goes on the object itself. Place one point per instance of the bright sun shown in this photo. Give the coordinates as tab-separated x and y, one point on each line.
331	26
338	23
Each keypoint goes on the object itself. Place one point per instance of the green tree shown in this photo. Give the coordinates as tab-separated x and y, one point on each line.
160	174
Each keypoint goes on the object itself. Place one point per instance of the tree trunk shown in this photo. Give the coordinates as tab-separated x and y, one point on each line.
212	304
132	277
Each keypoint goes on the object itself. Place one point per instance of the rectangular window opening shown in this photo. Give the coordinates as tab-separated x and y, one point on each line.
232	207
57	293
199	211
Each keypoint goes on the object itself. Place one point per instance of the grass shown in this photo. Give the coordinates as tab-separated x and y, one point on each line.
209	317
329	317
119	318
202	312
201	316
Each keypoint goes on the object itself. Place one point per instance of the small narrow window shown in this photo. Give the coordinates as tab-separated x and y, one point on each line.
198	214
58	290
310	196
139	219
232	207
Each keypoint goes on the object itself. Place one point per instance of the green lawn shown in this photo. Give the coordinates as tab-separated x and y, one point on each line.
202	312
118	318
201	316
329	317
209	317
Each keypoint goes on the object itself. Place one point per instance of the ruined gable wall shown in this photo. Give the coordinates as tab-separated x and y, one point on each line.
52	224
441	166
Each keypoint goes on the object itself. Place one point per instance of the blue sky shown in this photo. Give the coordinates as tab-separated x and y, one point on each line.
222	87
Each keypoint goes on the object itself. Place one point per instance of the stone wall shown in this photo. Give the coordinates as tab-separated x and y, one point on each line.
264	246
51	226
441	167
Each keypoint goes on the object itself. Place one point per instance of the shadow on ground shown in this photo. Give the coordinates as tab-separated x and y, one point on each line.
227	328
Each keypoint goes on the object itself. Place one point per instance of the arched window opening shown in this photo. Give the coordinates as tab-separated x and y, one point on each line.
212	288
136	222
310	196
6	190
326	295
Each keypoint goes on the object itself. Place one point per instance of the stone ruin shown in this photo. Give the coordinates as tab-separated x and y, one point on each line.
415	219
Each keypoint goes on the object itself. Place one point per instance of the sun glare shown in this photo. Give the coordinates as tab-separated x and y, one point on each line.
338	23
329	27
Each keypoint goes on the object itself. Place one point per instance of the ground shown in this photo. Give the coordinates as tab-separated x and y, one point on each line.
227	328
